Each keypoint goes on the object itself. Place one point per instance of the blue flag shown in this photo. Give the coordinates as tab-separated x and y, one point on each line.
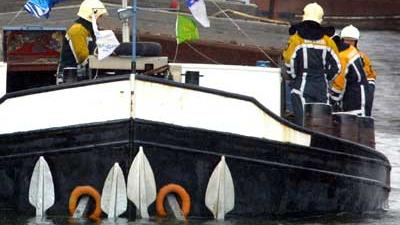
199	11
40	8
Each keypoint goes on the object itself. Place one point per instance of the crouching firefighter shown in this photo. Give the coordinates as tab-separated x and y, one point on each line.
311	59
349	90
79	43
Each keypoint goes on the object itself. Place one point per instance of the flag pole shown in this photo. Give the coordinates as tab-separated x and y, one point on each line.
125	24
133	25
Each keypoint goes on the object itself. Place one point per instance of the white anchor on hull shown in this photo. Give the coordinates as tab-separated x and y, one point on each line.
113	198
141	184
41	188
220	193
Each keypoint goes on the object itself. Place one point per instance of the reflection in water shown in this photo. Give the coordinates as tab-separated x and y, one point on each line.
39	221
81	221
117	221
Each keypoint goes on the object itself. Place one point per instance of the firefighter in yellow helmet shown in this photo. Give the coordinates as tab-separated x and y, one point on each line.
350	35
350	89
311	59
79	41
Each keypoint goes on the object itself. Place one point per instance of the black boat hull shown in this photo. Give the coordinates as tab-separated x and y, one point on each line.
271	179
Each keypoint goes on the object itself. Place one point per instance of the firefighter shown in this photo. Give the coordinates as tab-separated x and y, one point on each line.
351	35
350	89
79	41
311	59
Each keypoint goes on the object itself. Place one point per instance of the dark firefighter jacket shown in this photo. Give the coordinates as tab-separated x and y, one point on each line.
351	86
78	43
371	77
311	59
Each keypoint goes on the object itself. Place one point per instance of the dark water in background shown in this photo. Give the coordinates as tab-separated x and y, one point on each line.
384	51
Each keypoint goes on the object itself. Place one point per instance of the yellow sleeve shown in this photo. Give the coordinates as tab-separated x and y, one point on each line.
339	82
371	74
78	36
330	43
293	42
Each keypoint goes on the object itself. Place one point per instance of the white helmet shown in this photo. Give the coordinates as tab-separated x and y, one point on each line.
314	12
350	32
90	7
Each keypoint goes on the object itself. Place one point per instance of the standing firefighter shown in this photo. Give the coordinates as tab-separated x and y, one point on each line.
350	88
311	59
350	35
80	41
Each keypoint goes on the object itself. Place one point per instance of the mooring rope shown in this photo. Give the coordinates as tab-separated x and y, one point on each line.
15	16
257	18
202	54
192	47
231	20
177	45
244	33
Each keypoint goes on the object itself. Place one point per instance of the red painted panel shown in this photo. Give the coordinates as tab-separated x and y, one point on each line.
27	49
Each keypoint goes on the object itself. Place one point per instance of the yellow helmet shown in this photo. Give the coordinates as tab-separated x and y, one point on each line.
314	12
350	31
90	7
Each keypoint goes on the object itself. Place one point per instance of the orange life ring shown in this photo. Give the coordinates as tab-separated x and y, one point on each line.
172	188
85	190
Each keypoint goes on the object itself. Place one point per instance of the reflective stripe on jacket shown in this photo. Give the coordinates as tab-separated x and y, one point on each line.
312	64
350	86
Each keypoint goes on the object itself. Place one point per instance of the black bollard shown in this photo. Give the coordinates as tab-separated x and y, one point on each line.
318	117
69	75
366	131
346	126
192	77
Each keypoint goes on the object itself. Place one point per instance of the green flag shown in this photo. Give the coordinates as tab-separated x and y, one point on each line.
186	29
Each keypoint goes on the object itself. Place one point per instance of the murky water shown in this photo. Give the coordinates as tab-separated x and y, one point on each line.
384	50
